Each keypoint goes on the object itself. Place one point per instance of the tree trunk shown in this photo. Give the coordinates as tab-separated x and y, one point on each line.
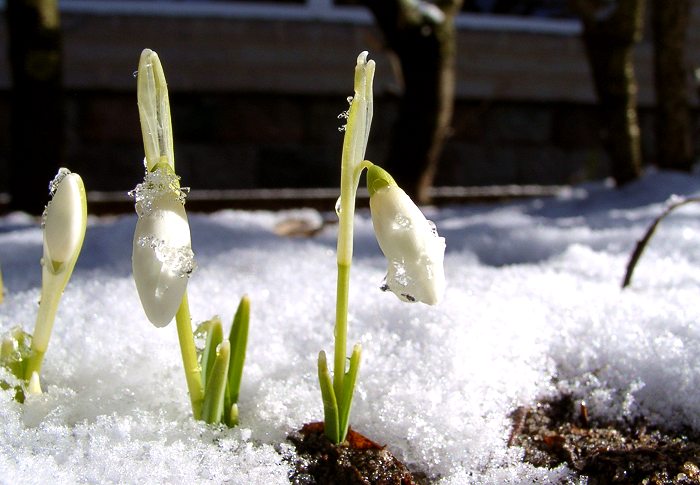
610	32
674	146
36	123
424	43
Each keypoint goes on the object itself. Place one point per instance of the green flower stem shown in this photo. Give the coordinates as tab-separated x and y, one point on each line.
189	357
52	286
337	399
341	327
349	181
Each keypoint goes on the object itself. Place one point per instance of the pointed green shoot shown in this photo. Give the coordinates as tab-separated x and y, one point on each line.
213	408
238	338
232	418
154	111
330	405
215	335
348	390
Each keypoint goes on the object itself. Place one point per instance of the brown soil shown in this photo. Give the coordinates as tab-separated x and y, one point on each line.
560	431
356	461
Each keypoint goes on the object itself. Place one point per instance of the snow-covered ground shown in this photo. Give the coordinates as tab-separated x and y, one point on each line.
533	308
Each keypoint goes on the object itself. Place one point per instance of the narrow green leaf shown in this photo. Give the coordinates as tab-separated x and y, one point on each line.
348	391
330	405
215	335
213	409
239	341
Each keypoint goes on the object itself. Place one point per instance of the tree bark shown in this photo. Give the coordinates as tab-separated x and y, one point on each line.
36	122
674	148
610	32
425	46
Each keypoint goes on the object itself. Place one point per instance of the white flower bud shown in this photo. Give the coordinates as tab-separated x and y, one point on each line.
162	258
65	220
409	241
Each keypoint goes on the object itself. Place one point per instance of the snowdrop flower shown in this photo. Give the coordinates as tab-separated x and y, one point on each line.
409	241
162	258
64	223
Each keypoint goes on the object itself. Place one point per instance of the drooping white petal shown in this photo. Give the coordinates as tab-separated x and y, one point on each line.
65	220
162	258
411	245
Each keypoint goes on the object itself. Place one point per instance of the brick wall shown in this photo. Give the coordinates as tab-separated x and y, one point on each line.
255	102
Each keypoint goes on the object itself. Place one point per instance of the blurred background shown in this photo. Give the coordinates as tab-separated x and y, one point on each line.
468	93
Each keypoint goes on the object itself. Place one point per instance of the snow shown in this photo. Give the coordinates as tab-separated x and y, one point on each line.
533	308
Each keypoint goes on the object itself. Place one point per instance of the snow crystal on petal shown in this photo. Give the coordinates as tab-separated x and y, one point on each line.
157	184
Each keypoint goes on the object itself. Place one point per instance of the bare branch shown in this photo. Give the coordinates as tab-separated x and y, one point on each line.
642	243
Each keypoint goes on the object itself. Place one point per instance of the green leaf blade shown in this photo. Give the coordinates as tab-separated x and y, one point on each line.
238	339
215	335
213	408
348	391
330	404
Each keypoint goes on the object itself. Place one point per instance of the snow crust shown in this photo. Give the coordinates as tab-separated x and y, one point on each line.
533	307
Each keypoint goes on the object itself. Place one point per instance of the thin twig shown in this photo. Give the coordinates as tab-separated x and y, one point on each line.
642	243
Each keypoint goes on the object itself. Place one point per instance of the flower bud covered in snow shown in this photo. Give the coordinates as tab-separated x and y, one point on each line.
64	221
162	258
154	111
409	241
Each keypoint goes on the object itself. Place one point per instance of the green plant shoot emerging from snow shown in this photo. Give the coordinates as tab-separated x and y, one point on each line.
63	223
410	242
162	261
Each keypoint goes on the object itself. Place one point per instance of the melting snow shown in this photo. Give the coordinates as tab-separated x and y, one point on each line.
533	308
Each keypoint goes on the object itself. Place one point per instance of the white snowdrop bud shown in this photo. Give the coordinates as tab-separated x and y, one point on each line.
162	258
64	221
409	241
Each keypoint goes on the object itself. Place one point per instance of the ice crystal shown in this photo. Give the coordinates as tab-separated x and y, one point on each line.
177	260
53	185
157	184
